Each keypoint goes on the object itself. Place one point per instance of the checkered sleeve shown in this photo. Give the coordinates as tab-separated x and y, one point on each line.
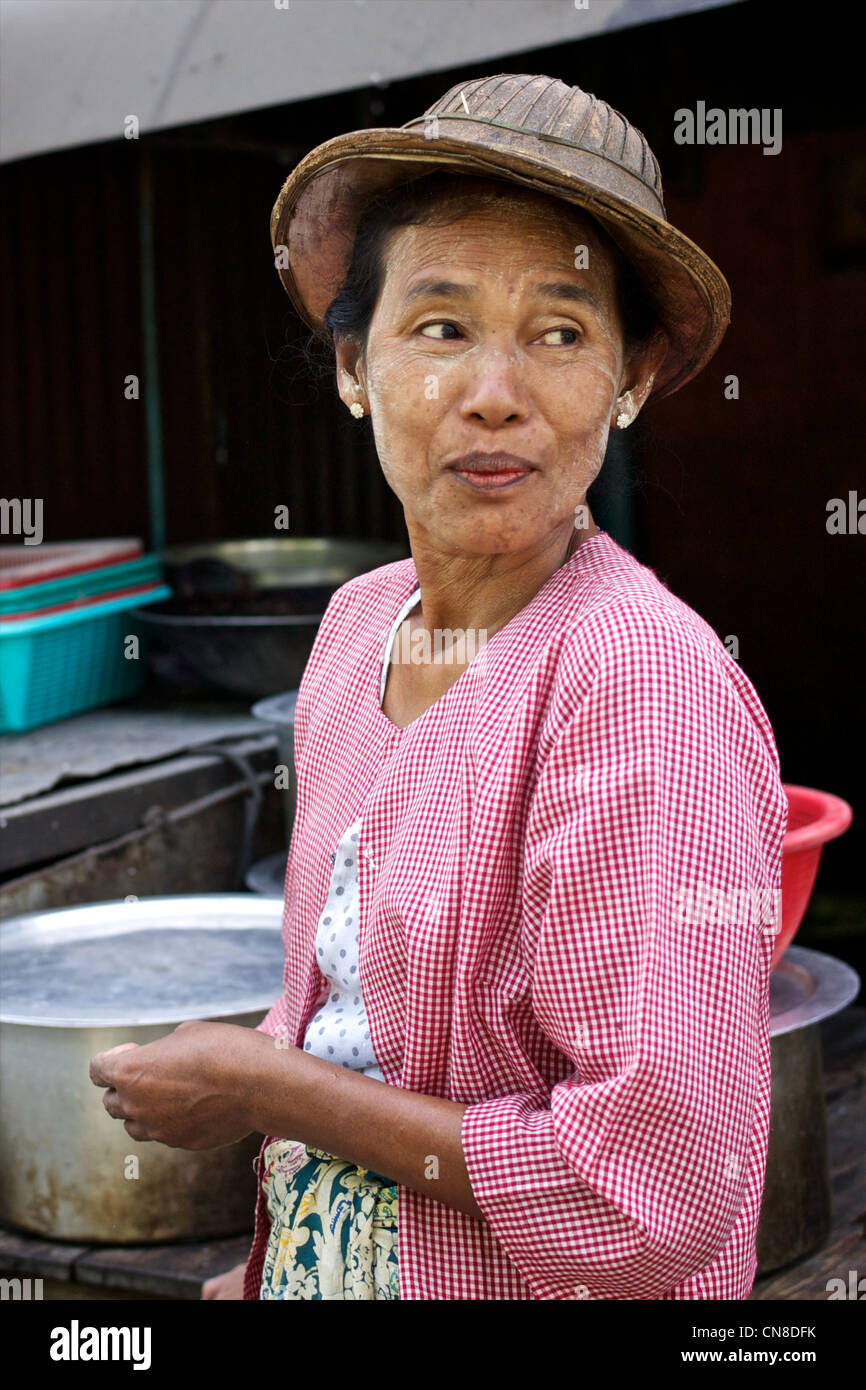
652	865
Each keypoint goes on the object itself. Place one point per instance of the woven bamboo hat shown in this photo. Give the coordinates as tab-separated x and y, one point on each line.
529	130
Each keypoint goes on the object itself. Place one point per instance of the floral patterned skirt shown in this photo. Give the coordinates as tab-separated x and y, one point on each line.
333	1227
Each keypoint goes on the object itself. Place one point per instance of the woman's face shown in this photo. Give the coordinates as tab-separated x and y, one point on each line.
486	338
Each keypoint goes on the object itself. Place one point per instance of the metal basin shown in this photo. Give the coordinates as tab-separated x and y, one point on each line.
272	595
268	876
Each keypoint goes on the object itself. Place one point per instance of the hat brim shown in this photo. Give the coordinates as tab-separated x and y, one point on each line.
317	211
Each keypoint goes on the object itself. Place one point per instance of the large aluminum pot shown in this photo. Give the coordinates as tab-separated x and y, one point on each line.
81	980
805	988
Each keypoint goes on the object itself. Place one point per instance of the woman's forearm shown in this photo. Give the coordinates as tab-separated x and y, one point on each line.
410	1138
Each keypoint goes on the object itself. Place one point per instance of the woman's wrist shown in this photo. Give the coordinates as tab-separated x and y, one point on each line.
410	1138
287	1091
245	1073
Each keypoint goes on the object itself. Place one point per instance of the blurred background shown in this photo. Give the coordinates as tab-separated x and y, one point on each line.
149	258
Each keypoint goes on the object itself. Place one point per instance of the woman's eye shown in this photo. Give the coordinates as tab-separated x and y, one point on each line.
575	335
444	332
439	324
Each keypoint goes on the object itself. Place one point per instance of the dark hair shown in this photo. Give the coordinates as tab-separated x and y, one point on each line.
441	198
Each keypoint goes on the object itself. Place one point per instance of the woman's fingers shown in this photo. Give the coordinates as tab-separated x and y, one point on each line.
137	1131
97	1071
111	1101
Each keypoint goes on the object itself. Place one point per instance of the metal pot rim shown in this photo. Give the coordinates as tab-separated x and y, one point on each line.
203	912
818	986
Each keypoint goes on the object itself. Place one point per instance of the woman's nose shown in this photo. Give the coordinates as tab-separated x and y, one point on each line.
494	390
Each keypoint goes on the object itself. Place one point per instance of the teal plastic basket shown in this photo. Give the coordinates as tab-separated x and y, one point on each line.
145	570
65	663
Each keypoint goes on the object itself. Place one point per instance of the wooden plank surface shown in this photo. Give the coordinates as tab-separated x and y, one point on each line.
165	1271
34	1257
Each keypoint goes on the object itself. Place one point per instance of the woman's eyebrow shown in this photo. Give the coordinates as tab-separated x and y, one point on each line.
440	289
564	289
553	289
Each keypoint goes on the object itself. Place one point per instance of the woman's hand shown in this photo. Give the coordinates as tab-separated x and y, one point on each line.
186	1090
228	1286
210	1084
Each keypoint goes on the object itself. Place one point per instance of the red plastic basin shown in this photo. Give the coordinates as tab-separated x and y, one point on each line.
813	818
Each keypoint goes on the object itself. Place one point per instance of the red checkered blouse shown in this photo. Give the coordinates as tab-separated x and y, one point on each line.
527	845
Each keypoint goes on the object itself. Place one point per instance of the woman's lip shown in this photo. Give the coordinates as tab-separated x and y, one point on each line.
494	481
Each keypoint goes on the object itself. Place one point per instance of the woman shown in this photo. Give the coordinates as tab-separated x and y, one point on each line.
521	761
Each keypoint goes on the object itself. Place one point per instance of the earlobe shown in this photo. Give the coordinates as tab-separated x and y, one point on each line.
349	365
642	394
631	402
356	407
351	392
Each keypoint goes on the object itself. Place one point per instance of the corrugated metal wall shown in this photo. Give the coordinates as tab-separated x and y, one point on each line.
245	427
69	276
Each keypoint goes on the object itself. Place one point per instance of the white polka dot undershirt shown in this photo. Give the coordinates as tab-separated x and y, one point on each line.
340	1031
